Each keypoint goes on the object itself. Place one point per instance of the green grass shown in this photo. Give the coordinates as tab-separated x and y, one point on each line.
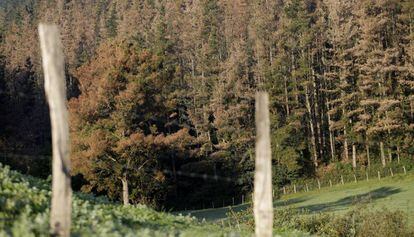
393	193
25	204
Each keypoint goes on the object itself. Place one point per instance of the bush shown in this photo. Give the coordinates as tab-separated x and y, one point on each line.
358	222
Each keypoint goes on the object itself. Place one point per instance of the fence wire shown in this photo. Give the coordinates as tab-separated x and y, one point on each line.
306	186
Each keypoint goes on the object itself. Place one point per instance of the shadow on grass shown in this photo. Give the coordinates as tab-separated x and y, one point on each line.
221	213
217	213
341	204
292	201
345	202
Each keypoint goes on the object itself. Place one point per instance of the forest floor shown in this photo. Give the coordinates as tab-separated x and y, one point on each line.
391	193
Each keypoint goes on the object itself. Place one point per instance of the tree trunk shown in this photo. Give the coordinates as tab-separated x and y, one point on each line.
389	154
332	144
313	136
331	135
286	98
192	67
295	80
367	149
346	145
398	154
125	191
354	156
271	55
317	115
382	154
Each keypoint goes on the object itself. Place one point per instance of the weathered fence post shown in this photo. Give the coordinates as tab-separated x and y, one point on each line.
330	183
55	88
392	173
405	171
284	190
294	188
263	204
379	175
355	178
307	188
342	180
319	184
366	173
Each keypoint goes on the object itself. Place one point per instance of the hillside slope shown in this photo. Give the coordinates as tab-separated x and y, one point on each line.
393	193
24	211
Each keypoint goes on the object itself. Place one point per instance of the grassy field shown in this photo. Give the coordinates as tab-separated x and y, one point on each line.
393	193
24	209
25	204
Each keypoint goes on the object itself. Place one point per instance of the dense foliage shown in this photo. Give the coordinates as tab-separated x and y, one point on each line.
159	89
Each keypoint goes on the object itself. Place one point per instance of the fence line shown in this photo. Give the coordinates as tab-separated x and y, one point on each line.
240	199
295	188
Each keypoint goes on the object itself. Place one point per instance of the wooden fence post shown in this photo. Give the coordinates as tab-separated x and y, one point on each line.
55	88
342	180
319	184
263	204
405	171
392	173
330	183
366	173
307	188
379	175
284	190
294	188
355	178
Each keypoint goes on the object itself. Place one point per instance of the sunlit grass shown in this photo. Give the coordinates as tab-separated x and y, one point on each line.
393	193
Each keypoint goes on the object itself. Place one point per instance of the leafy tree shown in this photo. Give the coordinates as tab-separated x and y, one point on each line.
123	134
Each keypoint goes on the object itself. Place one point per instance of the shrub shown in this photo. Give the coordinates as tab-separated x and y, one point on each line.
358	222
